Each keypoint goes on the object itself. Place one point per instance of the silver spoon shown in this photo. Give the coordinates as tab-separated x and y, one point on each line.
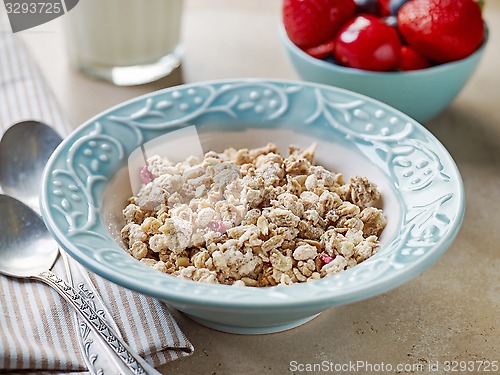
27	248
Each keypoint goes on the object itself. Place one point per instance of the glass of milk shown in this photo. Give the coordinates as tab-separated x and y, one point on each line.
127	42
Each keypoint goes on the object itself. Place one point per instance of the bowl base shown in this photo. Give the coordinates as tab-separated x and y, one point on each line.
251	330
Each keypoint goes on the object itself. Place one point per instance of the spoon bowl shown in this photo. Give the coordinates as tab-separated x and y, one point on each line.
24	151
28	251
26	246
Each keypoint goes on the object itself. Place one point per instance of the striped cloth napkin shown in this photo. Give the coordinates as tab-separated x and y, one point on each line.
38	330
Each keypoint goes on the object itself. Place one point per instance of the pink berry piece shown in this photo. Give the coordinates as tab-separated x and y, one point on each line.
326	258
218	226
146	175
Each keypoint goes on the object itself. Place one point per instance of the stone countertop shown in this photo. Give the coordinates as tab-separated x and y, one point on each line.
451	312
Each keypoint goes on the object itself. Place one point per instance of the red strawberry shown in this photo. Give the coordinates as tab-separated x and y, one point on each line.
322	50
442	30
310	23
412	60
367	42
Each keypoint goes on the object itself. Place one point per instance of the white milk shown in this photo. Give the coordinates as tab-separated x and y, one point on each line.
104	34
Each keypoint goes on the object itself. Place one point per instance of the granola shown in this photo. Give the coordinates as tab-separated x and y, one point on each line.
251	217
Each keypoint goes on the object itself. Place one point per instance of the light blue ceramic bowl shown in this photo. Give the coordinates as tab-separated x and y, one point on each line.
421	94
85	186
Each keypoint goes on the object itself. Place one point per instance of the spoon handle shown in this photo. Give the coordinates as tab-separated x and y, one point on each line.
134	362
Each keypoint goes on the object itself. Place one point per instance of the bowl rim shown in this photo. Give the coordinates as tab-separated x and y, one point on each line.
397	278
436	69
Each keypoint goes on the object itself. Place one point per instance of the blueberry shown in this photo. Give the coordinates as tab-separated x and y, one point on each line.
396	4
391	7
368	6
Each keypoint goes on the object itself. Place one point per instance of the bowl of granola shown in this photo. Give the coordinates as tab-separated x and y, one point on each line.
253	205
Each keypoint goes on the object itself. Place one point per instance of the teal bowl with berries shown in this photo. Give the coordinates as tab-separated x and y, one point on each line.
421	94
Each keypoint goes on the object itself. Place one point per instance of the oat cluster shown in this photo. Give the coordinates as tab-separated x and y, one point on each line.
251	217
